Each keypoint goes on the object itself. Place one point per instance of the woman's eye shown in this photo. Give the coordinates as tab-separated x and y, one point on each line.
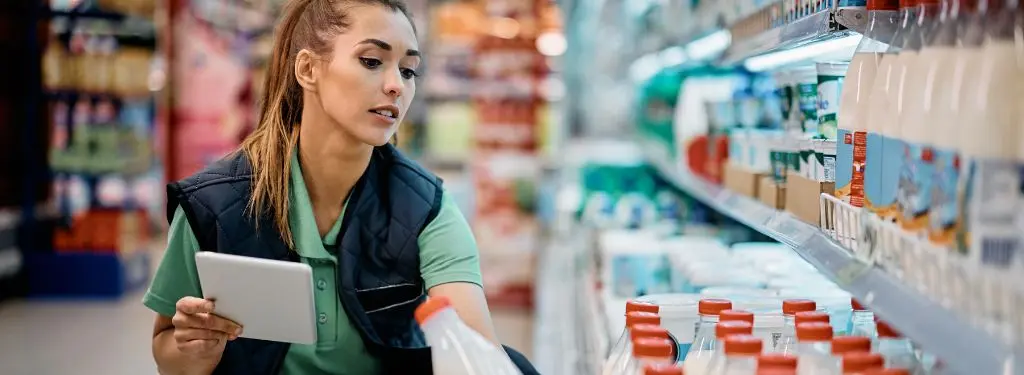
409	73
370	63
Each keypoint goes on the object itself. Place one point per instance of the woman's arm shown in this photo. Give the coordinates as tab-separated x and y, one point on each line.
471	305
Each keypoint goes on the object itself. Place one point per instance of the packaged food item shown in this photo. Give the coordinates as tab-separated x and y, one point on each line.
853	125
806	80
825	160
830	88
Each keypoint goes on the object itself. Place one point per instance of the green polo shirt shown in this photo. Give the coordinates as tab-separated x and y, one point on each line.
448	253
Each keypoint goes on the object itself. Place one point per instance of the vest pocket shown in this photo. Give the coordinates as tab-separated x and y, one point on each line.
391	311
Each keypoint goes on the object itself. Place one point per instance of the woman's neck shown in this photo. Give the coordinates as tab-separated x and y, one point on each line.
332	162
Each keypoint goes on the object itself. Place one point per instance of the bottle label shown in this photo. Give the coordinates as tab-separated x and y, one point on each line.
830	88
872	170
914	191
991	192
844	166
892	153
944	215
825	160
850	156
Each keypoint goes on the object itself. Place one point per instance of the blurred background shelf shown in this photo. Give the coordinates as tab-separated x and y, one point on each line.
964	348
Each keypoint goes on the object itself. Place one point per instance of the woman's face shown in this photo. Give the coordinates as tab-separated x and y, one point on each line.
367	85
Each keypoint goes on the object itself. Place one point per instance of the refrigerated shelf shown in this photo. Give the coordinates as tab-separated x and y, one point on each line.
938	330
822	26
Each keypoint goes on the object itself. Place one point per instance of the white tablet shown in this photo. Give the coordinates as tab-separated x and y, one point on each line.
271	299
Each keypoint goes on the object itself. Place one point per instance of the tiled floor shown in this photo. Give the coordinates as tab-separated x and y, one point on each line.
113	337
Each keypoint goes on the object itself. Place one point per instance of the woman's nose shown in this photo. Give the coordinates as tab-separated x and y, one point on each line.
394	85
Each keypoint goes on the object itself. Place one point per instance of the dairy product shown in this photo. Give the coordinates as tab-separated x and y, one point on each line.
853	125
741	353
883	114
723	330
953	57
635	263
830	87
914	192
992	148
896	349
786	343
678	313
648	351
825	160
619	351
814	348
704	342
806	81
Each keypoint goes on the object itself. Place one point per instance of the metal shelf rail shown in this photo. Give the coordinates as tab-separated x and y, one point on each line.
964	348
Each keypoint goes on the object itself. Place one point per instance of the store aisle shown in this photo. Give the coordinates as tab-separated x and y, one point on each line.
113	337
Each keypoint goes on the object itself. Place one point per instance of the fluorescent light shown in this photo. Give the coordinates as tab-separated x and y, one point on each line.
709	45
836	47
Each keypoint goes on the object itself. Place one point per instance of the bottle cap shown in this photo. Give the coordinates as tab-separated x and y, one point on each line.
713	306
776	371
640	306
432	305
859	362
743	345
648	330
776	360
927	2
888	371
813	332
849	344
638	317
883	5
886	331
857	306
811	317
652	347
663	369
735	327
907	4
736	315
793	306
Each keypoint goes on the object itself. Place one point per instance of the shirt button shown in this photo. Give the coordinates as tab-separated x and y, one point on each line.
323	318
321	284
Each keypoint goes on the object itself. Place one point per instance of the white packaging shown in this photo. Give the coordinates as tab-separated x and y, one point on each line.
634	263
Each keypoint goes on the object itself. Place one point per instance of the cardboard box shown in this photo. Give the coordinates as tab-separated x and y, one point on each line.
771	194
803	197
741	180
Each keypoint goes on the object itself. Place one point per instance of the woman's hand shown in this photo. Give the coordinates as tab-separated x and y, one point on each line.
198	332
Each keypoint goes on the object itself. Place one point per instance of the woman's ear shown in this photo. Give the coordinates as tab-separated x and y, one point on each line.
306	70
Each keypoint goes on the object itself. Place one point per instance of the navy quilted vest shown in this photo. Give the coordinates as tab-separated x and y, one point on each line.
379	279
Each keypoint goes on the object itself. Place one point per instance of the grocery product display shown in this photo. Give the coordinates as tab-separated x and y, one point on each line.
457	348
849	138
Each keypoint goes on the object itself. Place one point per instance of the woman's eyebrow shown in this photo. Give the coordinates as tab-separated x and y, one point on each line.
387	47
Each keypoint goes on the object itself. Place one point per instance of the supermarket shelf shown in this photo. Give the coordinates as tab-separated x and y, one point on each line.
940	331
818	27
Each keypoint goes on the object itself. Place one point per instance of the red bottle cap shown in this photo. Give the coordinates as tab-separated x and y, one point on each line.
776	360
713	306
632	306
432	305
638	317
908	4
663	369
886	331
736	315
849	344
859	362
813	332
888	371
648	330
652	347
776	371
743	345
726	329
883	5
811	317
857	306
793	306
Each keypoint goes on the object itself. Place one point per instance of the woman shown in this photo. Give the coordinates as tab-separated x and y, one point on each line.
317	182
